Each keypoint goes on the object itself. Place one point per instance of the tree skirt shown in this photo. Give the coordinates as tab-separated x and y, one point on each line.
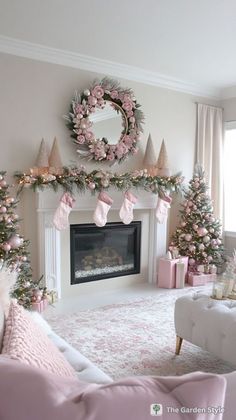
134	338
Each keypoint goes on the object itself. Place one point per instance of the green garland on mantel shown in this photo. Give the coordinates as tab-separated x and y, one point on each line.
77	179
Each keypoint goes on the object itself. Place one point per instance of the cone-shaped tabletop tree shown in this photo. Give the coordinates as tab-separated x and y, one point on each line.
199	233
14	255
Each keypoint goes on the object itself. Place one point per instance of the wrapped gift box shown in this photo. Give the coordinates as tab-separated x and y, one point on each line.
167	272
195	279
39	306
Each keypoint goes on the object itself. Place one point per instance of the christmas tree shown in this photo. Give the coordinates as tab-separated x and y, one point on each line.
199	234
14	256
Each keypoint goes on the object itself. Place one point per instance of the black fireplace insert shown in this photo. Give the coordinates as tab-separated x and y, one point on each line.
103	252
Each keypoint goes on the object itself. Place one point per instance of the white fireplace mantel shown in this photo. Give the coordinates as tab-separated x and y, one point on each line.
50	239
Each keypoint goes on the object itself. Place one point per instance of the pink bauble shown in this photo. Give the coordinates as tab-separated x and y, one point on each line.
3	209
191	261
195	227
91	185
204	254
201	231
206	239
196	184
200	268
192	248
190	203
201	247
15	241
188	210
183	224
209	258
3	183
6	246
218	241
188	237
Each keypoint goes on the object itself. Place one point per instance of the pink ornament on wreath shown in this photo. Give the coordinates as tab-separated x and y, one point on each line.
188	237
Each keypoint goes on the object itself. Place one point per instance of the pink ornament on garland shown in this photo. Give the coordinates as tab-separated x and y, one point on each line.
91	185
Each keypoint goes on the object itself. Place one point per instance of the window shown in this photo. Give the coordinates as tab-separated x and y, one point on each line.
230	177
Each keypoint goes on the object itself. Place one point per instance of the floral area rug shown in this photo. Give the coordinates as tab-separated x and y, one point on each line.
134	338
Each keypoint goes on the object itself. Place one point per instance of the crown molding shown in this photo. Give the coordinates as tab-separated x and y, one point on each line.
40	52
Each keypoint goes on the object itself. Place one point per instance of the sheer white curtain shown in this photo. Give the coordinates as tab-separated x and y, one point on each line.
209	151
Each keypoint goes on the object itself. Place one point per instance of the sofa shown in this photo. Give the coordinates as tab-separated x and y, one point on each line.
96	397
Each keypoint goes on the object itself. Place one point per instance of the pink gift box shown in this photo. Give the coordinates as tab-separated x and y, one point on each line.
39	306
200	279
167	272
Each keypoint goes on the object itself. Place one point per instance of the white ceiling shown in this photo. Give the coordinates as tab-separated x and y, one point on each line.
190	40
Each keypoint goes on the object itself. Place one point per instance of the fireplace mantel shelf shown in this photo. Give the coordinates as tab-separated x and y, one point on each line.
48	201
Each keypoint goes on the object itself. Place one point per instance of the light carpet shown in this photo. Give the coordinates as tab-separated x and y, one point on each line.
134	338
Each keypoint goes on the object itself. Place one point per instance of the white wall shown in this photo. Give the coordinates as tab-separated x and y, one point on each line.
229	106
35	96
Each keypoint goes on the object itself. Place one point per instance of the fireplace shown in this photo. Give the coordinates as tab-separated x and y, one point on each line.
54	257
104	252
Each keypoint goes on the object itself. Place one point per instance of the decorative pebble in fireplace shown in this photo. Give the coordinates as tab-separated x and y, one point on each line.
103	252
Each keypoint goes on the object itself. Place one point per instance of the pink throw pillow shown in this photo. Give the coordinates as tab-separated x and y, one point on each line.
26	342
36	395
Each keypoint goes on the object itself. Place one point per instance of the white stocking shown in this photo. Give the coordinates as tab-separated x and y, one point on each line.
103	206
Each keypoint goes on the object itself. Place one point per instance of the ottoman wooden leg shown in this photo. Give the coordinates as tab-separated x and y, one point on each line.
179	341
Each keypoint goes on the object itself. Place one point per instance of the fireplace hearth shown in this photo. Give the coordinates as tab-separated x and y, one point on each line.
104	252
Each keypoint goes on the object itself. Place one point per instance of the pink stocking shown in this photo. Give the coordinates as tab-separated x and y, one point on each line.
60	219
126	211
163	204
103	206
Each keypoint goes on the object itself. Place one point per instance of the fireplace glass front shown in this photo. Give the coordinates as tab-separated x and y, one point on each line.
103	252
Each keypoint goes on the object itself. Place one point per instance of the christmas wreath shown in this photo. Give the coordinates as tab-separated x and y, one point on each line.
80	125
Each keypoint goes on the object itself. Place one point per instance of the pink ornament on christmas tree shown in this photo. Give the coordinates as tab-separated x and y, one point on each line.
15	241
188	237
201	231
